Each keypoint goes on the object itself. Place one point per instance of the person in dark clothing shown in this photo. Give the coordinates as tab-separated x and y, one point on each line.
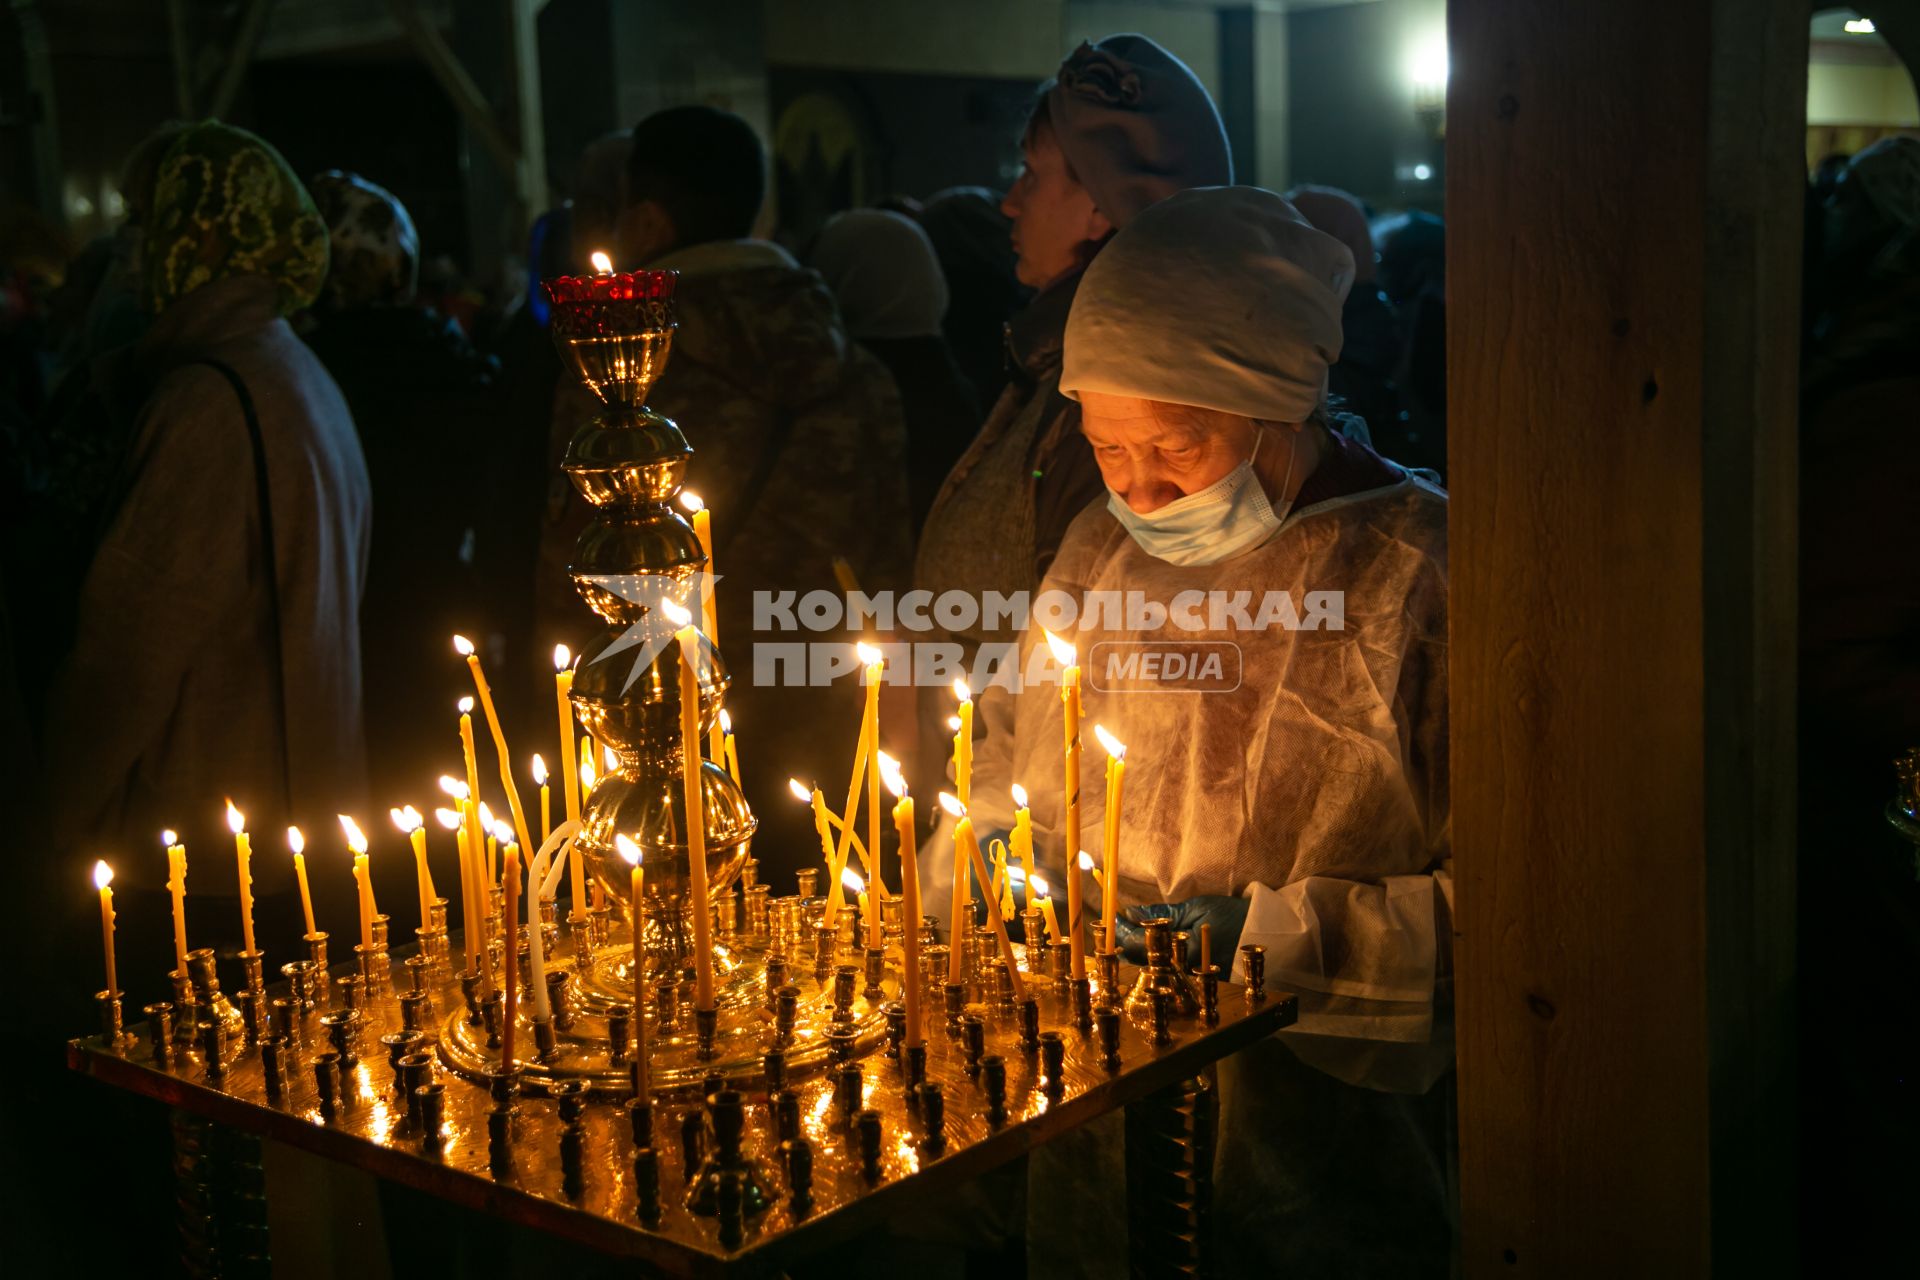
422	400
885	277
972	239
1413	275
1859	601
1364	377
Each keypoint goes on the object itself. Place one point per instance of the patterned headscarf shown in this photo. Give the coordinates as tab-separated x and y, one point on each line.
376	251
225	204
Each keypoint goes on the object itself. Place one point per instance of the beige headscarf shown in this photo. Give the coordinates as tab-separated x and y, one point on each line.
1223	298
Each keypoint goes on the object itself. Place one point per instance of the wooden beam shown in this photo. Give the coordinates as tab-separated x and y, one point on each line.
457	85
523	53
1623	246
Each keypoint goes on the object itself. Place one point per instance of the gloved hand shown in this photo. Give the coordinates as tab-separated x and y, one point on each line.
1227	916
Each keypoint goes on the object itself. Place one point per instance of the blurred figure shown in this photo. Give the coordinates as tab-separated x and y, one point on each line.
1123	125
797	436
973	241
892	296
1859	606
217	652
1370	350
422	400
1413	274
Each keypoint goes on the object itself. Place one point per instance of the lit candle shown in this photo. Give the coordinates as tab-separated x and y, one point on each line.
1086	863
298	843
537	941
969	850
1004	872
631	852
963	744
960	916
243	851
177	885
363	876
703	531
462	827
733	752
1116	775
1023	836
1064	654
490	825
414	827
870	659
1037	892
858	888
510	956
563	706
473	912
464	647
546	813
909	897
820	816
602	264
102	880
875	937
588	776
689	639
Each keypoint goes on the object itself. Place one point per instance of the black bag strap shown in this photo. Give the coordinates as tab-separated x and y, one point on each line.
263	492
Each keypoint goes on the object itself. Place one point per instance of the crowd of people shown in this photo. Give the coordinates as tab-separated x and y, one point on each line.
255	484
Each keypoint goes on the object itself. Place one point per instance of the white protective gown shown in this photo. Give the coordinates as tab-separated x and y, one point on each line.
1314	781
1317	785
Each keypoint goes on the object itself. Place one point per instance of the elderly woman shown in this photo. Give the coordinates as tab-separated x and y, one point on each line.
217	648
1283	701
1123	124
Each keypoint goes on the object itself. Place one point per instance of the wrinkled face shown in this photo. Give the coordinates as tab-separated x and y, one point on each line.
1152	453
1053	216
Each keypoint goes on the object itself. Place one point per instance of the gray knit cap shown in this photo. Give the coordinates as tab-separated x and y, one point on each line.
1136	125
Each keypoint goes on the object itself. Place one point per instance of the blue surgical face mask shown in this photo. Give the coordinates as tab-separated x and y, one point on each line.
1219	522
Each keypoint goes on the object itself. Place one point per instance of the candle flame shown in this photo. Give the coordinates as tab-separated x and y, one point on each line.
1039	885
951	803
869	656
169	837
486	816
447	818
454	787
236	821
962	691
800	793
676	613
1086	860
628	850
1016	874
504	834
1115	748
539	770
1063	652
601	262
953	723
1019	796
891	776
295	840
726	721
463	646
851	879
465	705
407	819
692	501
587	775
356	838
562	657
102	874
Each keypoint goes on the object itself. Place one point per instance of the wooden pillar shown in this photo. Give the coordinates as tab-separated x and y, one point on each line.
1623	207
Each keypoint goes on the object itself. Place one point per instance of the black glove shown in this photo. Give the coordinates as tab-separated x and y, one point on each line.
1227	916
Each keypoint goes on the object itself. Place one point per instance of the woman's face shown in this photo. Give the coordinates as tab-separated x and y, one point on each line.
1152	453
1053	216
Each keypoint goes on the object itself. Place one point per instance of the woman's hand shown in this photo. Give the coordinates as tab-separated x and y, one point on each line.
1227	916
